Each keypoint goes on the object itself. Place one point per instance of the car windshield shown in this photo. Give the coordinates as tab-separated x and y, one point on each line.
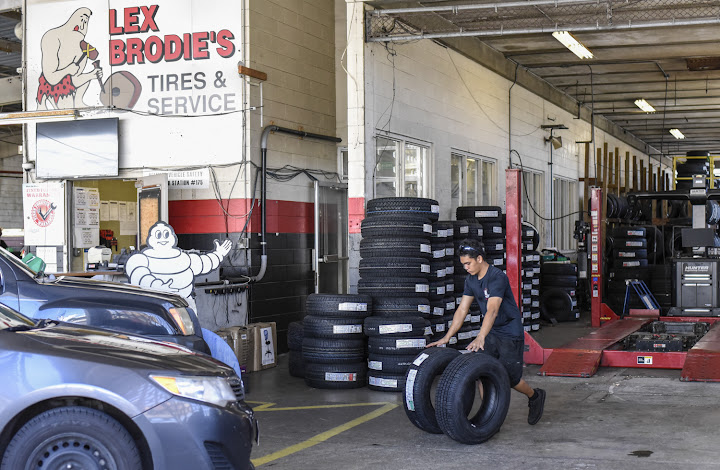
10	258
9	318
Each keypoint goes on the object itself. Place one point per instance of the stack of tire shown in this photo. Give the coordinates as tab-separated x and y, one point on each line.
530	239
698	165
443	303
333	346
628	247
558	282
295	335
493	224
396	271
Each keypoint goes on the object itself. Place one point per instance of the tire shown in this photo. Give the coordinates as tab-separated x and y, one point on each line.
335	328
461	229
394	226
556	304
295	335
628	232
71	433
442	230
396	346
331	351
395	247
481	213
389	364
385	381
553	280
336	376
634	243
627	253
394	287
391	267
395	326
401	306
559	268
455	384
296	364
339	305
419	379
421	207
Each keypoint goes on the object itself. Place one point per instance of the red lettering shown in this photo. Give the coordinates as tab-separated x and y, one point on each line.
114	29
187	46
149	21
134	51
117	52
173	48
131	20
200	45
224	40
154	49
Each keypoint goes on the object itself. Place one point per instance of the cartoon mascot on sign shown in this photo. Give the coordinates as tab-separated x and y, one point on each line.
162	265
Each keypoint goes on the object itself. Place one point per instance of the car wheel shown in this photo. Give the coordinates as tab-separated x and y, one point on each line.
72	437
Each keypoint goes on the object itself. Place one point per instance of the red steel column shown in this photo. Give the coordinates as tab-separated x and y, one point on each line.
513	227
596	264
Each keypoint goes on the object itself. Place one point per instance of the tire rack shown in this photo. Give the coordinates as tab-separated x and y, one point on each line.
581	357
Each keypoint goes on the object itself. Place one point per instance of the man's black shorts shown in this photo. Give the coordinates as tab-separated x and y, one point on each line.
509	352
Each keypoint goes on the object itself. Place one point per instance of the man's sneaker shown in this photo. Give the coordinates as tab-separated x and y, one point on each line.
536	406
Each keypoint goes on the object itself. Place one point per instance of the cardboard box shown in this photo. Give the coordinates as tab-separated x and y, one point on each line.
240	340
263	346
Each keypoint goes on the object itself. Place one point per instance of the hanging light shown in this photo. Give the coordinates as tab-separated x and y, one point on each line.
644	105
571	43
677	134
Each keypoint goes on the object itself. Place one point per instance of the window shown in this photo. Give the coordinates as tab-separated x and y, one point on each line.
473	180
343	167
565	202
534	182
401	168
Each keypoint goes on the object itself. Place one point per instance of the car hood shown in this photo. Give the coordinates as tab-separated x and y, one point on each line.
94	285
118	349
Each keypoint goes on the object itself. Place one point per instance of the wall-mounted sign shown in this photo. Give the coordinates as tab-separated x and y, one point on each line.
190	179
44	214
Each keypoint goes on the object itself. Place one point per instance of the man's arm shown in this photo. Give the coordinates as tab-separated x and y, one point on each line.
493	306
458	320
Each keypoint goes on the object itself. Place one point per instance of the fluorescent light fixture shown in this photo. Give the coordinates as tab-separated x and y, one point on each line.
7	119
644	105
571	43
677	134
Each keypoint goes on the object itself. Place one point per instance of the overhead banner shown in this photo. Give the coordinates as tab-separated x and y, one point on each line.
44	214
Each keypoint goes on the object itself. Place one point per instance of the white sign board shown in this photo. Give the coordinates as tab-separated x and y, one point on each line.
190	179
86	232
149	61
44	214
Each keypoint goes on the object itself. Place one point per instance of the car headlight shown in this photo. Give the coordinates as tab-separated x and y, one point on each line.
215	390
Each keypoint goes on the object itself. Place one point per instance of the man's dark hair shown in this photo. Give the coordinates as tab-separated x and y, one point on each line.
471	248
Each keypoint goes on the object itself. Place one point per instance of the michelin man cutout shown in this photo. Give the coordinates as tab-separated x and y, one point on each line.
162	265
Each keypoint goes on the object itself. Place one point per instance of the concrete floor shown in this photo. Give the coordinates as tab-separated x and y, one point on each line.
620	418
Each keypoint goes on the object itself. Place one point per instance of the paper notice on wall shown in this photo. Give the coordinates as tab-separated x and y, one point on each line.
104	210
128	228
114	212
131	208
122	211
47	254
44	214
86	228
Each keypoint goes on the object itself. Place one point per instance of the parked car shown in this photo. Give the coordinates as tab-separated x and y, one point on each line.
81	397
115	306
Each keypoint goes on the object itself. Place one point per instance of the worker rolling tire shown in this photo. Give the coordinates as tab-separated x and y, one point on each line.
461	377
401	306
396	346
422	373
389	364
566	269
395	225
295	335
385	381
394	287
481	213
628	232
421	207
331	351
336	376
393	266
395	326
335	328
339	305
389	247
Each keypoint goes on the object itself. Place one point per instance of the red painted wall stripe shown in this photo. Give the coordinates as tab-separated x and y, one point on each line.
206	216
356	213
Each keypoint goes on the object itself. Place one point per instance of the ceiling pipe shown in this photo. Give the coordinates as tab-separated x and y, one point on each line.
263	183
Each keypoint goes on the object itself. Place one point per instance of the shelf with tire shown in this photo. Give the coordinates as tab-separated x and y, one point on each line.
403	268
530	239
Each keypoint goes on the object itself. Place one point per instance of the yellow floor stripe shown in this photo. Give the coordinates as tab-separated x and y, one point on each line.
322	437
267	406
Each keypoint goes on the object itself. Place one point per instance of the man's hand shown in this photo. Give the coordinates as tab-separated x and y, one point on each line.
441	342
476	345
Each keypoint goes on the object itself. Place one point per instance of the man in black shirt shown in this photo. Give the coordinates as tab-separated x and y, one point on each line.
501	335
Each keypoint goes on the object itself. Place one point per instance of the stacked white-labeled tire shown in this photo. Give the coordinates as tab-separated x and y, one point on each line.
627	249
530	277
295	336
558	302
334	346
402	265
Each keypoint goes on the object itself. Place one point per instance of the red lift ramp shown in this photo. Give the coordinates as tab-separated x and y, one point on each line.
702	363
581	358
